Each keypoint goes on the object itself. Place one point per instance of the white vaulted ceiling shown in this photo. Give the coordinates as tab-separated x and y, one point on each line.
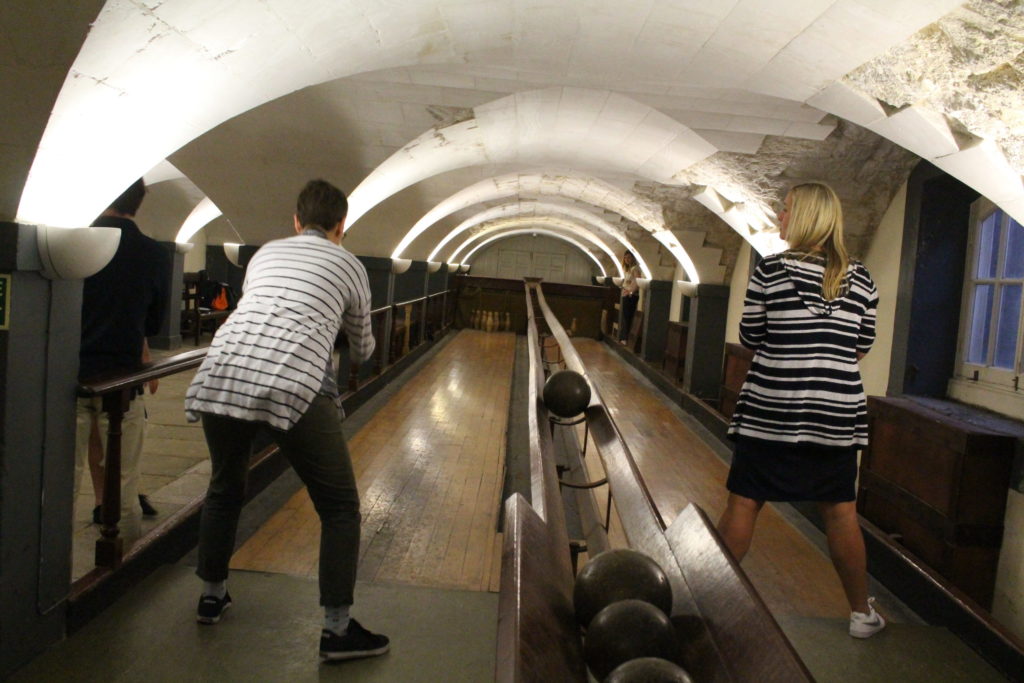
591	130
528	210
668	103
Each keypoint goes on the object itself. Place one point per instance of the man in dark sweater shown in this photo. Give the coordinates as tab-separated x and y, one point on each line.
122	304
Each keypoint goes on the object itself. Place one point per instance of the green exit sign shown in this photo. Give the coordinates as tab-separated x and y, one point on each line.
5	301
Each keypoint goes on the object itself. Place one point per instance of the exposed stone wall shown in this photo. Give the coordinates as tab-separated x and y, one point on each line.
865	169
681	213
969	65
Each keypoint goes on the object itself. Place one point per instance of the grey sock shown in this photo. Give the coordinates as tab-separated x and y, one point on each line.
217	589
336	619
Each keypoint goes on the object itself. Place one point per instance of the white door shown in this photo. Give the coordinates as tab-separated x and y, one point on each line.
513	265
549	266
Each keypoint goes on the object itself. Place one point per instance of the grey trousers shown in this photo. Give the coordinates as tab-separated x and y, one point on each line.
316	449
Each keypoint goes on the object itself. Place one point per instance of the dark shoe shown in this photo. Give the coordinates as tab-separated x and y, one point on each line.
96	514
147	509
211	608
357	642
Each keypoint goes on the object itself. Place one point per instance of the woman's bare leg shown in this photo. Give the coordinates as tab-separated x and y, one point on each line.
736	525
846	546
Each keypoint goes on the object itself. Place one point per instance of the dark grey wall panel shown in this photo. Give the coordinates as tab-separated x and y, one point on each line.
37	424
378	270
411	284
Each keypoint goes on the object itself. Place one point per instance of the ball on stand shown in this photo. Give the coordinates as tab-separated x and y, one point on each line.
566	393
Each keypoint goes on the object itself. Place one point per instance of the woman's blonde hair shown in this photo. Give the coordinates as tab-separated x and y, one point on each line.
816	225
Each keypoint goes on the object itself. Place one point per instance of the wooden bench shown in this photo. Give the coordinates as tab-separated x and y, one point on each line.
195	317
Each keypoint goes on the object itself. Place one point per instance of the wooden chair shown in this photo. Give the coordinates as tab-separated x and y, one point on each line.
636	332
194	316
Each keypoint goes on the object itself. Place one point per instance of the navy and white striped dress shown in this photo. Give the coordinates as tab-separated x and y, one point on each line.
272	356
804	385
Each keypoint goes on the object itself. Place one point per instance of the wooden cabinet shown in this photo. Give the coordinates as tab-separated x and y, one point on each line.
734	373
935	476
674	361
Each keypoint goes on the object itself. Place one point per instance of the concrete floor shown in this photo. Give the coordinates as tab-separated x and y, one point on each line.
908	653
271	633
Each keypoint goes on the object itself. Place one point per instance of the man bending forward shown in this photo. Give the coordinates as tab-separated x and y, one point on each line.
269	367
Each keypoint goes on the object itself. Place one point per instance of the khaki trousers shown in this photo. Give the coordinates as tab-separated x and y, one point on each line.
133	428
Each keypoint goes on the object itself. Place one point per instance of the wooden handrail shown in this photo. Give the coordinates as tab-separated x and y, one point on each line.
111	382
417	300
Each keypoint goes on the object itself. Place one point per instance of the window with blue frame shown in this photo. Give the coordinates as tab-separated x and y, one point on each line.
991	345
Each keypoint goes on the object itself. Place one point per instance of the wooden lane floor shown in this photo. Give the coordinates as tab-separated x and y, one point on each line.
792	575
429	466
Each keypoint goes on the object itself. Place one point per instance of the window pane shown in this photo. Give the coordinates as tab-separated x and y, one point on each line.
1013	267
988	245
1006	332
981	314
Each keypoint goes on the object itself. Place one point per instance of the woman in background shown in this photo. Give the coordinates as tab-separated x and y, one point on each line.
809	317
630	293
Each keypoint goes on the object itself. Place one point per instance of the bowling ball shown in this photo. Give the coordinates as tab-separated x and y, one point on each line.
648	670
625	630
566	393
619	574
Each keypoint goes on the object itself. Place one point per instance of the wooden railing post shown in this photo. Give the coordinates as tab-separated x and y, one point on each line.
110	545
423	321
382	345
353	376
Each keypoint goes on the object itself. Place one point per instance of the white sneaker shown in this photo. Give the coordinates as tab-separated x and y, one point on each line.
866	625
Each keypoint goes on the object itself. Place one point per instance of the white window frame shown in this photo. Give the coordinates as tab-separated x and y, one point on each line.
986	376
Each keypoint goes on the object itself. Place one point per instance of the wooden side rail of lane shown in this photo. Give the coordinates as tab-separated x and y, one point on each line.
538	639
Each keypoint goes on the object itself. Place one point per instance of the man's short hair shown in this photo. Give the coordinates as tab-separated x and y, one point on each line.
321	204
130	200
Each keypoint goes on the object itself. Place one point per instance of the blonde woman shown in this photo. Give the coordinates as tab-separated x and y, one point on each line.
809	317
630	293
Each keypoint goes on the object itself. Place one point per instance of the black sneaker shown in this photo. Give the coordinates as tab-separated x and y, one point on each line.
357	642
211	608
147	509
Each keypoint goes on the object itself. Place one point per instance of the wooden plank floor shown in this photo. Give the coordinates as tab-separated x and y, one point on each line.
429	465
792	575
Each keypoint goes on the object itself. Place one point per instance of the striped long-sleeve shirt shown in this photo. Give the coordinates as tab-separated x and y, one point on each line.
804	384
273	354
